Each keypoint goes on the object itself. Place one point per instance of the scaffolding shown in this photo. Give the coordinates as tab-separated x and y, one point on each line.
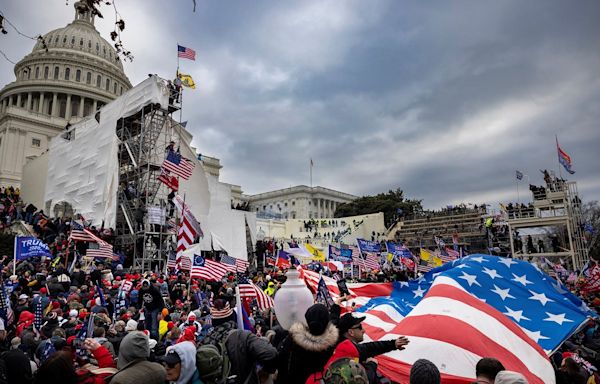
143	139
558	204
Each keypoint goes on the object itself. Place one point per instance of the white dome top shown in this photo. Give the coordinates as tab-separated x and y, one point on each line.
81	36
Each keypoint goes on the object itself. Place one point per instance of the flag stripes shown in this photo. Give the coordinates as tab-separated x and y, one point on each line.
251	291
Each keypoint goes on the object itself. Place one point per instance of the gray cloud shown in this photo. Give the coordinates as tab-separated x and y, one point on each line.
444	99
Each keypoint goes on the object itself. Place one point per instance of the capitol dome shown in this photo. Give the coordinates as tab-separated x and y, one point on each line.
73	65
68	75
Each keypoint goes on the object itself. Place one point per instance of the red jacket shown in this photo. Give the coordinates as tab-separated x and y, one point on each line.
89	374
344	349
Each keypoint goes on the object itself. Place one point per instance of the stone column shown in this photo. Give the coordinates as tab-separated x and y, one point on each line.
10	100
41	105
54	111
19	100
81	104
95	106
28	106
318	208
69	107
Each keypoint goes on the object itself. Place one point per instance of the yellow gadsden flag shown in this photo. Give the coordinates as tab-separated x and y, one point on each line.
425	255
437	261
186	80
317	255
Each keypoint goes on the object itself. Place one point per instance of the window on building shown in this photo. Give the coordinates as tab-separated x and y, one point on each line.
293	203
78	75
67	73
90	44
36	143
37	72
73	40
104	51
98	81
121	92
65	40
88	78
264	207
309	203
46	72
56	73
97	47
285	205
294	216
56	40
81	42
115	88
107	84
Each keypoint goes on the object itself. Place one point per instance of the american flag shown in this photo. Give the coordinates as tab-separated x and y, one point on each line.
234	264
186	53
361	292
104	250
447	256
178	165
172	260
79	233
513	310
185	238
185	211
207	269
369	261
250	291
5	305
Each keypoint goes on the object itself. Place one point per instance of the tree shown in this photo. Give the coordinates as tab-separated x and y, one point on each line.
389	203
591	227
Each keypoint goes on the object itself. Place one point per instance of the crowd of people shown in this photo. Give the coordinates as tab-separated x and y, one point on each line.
100	323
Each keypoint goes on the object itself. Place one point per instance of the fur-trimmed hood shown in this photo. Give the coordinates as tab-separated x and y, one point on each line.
306	340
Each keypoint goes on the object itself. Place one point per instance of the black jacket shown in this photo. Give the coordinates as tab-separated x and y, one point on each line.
302	354
245	350
151	298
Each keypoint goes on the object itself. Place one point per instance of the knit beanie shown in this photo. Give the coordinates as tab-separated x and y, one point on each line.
424	372
317	318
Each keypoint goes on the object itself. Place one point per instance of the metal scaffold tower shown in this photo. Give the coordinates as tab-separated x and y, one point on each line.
142	199
557	205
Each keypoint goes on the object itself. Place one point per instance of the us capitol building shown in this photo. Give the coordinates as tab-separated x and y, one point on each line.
77	74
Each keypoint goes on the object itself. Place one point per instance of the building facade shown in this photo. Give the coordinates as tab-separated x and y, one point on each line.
69	75
299	202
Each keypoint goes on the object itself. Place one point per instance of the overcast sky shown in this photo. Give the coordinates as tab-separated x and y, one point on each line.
444	100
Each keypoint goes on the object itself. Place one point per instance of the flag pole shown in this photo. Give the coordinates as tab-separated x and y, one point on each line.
518	196
558	156
311	167
15	257
238	308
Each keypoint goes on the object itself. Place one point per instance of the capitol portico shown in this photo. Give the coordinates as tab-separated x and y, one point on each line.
71	77
299	202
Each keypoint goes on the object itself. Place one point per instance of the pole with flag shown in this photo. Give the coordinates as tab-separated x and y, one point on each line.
15	257
519	176
311	167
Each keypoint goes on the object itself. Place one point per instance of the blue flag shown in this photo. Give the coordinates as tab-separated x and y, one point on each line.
340	254
368	246
29	246
540	305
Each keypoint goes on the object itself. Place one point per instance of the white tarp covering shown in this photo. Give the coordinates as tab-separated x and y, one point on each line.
224	228
84	170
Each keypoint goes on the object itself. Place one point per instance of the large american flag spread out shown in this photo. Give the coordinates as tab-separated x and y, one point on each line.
178	165
474	307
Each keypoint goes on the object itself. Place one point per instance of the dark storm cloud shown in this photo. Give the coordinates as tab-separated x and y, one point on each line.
443	99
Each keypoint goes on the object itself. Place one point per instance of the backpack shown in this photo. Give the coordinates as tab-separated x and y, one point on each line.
213	363
3	370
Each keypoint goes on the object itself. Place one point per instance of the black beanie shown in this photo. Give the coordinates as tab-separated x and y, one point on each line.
424	372
317	318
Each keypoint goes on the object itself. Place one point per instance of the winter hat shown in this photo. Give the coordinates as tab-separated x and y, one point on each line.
317	318
425	372
134	346
131	326
509	377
